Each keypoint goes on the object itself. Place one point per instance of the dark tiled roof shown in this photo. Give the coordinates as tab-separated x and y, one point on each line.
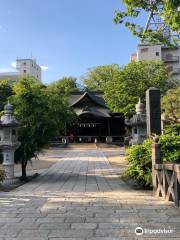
95	96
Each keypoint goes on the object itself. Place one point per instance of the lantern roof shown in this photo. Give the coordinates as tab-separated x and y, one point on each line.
8	119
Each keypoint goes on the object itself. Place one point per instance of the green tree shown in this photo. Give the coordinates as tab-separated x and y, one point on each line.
171	105
139	156
170	142
42	113
5	92
134	9
97	78
64	85
123	91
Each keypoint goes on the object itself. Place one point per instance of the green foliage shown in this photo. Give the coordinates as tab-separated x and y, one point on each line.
132	81
172	129
64	85
170	143
97	78
139	168
2	175
134	9
139	156
5	92
42	113
171	104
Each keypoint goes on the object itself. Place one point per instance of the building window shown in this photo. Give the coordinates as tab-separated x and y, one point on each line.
135	130
13	132
157	54
144	50
24	71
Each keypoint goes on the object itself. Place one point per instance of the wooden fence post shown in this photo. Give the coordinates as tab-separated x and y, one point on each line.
177	186
156	159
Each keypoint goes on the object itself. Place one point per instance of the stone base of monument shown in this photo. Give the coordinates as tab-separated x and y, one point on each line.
11	182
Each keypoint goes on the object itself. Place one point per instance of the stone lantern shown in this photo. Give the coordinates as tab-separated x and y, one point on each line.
138	124
8	139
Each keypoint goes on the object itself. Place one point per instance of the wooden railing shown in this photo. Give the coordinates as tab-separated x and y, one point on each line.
166	177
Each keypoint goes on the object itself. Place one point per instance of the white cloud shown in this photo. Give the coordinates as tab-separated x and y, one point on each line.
3	70
13	64
11	68
44	68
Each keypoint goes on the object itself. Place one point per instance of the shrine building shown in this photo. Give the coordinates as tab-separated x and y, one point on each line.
95	121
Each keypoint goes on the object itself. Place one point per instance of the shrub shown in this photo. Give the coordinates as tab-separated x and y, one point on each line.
172	129
2	175
139	169
139	156
170	143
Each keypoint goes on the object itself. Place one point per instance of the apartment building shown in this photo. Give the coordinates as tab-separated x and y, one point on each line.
170	56
23	67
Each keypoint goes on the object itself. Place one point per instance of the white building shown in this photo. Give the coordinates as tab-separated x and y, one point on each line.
12	76
23	67
29	67
170	56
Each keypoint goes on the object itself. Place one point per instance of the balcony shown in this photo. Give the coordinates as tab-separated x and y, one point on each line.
169	58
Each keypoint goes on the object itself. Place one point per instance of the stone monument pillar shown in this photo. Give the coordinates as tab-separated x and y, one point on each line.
153	111
8	139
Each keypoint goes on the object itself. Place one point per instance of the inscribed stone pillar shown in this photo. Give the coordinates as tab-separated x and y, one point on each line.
153	111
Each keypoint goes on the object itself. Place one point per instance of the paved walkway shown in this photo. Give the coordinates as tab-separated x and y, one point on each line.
81	198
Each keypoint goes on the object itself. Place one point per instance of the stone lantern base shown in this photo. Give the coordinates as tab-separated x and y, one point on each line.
9	171
13	182
10	180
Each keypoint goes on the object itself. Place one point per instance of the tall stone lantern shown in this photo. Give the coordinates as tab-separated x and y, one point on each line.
138	124
8	139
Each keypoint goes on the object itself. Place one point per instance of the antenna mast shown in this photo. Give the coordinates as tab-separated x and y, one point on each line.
155	23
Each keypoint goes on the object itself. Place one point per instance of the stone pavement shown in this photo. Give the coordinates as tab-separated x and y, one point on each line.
81	198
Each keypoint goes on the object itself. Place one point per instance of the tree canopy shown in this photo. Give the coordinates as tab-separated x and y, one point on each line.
5	92
171	105
170	13
64	85
96	78
122	92
43	114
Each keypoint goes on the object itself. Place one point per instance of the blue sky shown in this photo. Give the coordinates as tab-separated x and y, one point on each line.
65	36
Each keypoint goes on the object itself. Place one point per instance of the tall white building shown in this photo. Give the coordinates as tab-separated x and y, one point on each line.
170	56
23	67
29	67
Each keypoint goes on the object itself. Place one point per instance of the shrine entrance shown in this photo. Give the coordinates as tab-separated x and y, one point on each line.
95	121
89	128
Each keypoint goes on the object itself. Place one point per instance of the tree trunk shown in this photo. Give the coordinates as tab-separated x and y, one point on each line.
24	176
